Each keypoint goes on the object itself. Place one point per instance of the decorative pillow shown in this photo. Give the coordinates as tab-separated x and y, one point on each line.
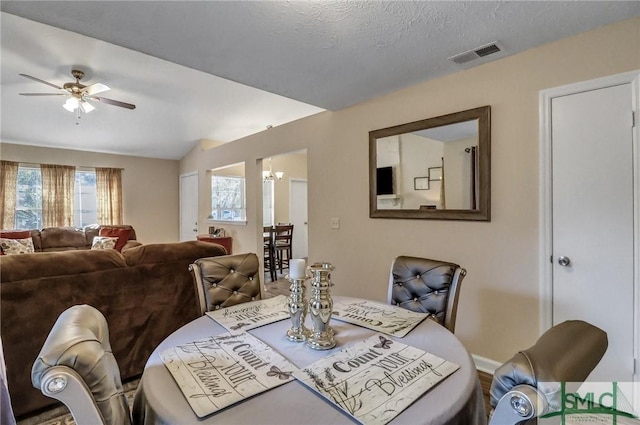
116	232
104	242
17	246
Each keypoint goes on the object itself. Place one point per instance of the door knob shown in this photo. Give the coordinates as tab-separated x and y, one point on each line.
564	261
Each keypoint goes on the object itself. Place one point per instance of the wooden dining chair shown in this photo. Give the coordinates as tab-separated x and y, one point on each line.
269	252
427	286
283	240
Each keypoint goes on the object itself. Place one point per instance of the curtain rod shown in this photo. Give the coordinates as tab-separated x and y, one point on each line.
33	164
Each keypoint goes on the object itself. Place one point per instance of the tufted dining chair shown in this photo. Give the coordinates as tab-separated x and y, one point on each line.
226	280
528	385
76	366
426	286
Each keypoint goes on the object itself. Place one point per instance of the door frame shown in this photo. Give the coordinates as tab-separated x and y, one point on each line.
182	199
545	196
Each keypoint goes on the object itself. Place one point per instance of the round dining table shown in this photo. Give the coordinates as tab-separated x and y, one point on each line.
455	400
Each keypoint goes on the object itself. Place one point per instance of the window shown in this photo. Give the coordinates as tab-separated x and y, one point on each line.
85	208
29	198
227	198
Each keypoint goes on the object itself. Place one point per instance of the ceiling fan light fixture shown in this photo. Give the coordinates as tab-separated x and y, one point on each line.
86	107
71	104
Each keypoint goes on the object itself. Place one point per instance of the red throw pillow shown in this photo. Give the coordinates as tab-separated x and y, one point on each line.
15	234
116	232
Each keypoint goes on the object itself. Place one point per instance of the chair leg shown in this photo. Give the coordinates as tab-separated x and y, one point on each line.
272	266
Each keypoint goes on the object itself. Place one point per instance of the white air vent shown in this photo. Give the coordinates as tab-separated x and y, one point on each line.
477	53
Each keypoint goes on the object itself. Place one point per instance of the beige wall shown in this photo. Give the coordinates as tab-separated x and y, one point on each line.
498	311
149	186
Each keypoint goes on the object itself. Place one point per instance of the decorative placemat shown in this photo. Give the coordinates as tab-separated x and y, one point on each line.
253	314
220	371
376	379
385	318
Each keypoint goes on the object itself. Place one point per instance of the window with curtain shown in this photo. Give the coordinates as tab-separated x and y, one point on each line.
22	200
58	184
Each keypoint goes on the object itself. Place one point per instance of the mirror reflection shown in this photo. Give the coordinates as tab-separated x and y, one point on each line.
434	168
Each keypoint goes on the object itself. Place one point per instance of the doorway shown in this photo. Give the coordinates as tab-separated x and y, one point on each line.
285	197
189	206
590	210
298	216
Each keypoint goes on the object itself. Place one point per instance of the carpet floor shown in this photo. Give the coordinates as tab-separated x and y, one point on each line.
60	415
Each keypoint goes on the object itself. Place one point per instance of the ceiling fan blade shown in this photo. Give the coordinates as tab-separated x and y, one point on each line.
43	94
113	102
96	88
41	81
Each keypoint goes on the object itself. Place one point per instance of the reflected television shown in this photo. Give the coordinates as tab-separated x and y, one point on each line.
384	181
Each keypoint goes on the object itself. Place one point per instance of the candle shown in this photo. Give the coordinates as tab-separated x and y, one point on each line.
297	268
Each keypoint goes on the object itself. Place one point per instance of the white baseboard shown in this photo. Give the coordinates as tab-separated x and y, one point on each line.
484	364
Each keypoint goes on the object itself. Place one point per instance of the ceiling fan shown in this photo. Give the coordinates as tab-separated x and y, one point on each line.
78	94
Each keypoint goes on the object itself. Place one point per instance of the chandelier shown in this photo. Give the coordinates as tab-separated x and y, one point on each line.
268	176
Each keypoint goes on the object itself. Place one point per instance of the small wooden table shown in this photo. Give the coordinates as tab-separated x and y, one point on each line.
225	241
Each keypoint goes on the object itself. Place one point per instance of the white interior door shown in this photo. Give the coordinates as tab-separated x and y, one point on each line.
593	219
188	206
298	217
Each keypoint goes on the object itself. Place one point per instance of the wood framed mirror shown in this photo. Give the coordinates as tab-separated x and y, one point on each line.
438	168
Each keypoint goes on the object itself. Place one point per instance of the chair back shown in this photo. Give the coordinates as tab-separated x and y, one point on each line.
426	286
283	235
531	379
76	366
226	280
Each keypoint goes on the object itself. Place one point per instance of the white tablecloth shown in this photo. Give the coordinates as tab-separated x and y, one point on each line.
456	400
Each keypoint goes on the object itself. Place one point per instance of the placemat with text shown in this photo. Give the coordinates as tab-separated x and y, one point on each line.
217	372
376	379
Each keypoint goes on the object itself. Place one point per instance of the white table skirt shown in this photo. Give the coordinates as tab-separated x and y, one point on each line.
456	400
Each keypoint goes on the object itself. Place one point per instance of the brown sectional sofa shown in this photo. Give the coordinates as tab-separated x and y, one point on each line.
53	239
146	292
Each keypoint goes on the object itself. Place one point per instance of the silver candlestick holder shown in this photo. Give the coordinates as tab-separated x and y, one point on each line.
298	307
321	307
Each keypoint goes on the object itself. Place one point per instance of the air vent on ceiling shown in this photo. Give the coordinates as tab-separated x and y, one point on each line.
477	53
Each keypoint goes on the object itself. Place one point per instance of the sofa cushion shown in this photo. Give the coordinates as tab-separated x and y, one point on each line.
64	263
121	233
170	252
62	238
16	246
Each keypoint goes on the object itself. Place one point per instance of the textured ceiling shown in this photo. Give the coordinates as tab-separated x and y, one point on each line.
328	54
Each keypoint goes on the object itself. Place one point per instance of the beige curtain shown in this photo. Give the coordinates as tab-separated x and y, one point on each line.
58	183
8	180
109	194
